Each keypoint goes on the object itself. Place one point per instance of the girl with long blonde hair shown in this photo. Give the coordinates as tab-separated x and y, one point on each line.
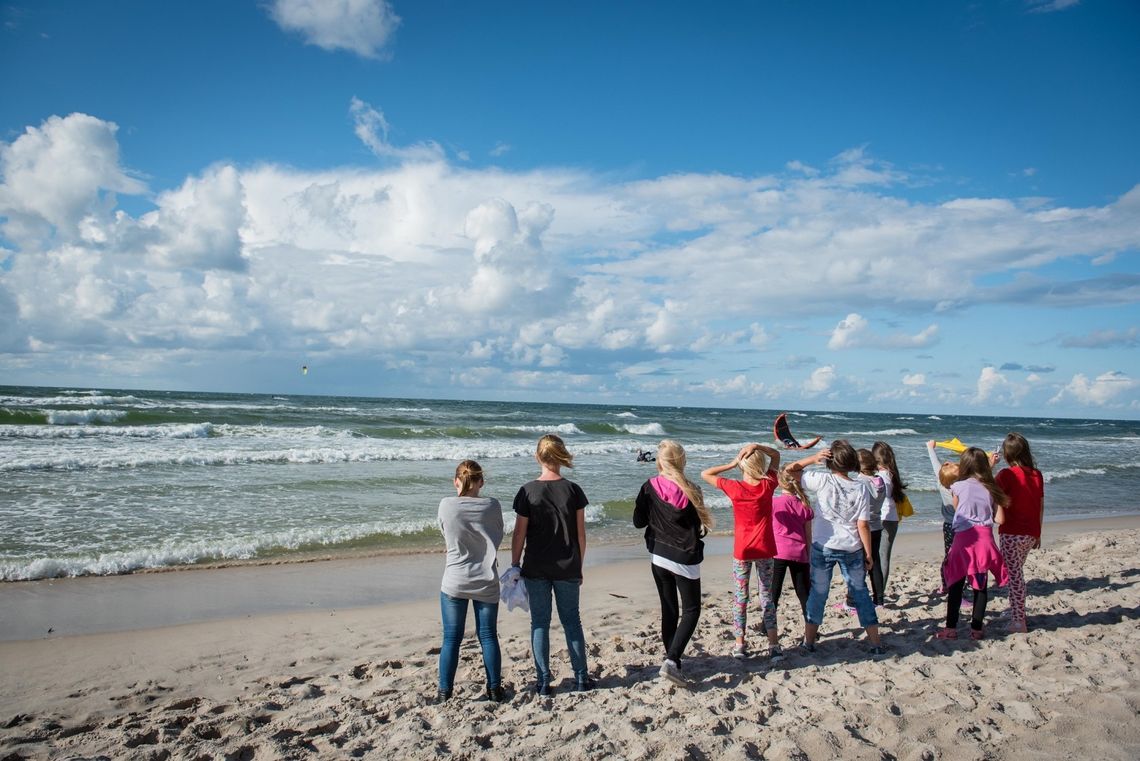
672	510
754	540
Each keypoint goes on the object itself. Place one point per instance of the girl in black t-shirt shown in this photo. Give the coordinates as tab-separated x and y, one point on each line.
551	527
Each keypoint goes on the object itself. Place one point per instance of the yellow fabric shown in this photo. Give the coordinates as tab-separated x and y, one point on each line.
954	445
905	508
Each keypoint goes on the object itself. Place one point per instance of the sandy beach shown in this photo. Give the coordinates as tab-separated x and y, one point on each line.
297	677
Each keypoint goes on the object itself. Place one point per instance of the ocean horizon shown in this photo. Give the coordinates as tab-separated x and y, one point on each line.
109	481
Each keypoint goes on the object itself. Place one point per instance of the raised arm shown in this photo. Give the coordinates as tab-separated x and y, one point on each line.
813	459
773	456
709	475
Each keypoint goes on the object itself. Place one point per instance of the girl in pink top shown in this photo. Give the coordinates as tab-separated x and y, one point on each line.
791	522
754	538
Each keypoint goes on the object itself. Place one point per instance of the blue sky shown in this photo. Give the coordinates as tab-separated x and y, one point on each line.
896	206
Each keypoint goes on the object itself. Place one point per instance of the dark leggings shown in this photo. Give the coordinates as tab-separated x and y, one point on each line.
876	568
677	624
954	603
801	581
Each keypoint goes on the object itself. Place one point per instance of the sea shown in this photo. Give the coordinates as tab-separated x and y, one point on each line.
104	481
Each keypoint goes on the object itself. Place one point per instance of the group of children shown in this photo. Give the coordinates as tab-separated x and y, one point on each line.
851	521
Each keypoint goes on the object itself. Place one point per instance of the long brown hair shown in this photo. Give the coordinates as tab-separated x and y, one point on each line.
671	464
469	474
885	459
1015	450
975	463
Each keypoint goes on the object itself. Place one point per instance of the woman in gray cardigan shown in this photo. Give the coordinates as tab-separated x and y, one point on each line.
472	528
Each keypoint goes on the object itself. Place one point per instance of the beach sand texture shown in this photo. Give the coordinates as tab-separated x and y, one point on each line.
359	682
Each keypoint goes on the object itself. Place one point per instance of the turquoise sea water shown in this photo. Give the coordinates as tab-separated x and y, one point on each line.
108	481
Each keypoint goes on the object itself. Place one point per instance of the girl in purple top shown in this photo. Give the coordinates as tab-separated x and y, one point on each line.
978	504
791	523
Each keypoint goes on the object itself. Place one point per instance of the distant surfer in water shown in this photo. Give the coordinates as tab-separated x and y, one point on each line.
643	456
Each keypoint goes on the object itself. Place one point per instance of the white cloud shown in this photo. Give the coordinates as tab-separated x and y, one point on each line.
760	338
994	389
820	381
58	175
544	270
853	332
500	149
197	225
738	386
372	128
1050	6
1102	391
364	27
915	379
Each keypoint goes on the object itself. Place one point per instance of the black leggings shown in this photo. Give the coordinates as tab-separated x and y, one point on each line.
954	603
876	568
801	581
677	624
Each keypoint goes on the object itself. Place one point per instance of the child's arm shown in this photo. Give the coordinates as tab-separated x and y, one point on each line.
999	514
709	474
773	456
936	465
814	459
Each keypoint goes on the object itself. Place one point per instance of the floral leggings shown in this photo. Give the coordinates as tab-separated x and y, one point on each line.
741	572
1014	550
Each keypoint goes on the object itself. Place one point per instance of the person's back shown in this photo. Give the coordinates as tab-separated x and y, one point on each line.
840	504
472	529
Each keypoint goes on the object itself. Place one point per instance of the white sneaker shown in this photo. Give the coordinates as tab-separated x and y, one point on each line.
672	672
739	651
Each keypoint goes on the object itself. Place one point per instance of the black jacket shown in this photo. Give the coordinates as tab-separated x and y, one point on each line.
669	533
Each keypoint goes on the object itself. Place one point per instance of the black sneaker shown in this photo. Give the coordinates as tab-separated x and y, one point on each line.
806	648
543	688
878	651
585	684
496	694
442	696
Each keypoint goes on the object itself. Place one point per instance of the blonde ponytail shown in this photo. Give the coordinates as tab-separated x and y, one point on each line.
791	485
671	464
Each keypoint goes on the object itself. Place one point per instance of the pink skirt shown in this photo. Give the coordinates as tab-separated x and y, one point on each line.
974	553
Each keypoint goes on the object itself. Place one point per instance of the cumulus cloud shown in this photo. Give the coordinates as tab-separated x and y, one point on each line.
993	388
59	174
364	27
1101	391
820	381
547	270
854	332
914	379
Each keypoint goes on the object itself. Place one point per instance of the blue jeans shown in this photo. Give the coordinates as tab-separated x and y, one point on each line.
851	566
453	610
566	599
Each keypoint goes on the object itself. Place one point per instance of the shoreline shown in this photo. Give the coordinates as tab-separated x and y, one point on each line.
359	681
304	557
66	607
